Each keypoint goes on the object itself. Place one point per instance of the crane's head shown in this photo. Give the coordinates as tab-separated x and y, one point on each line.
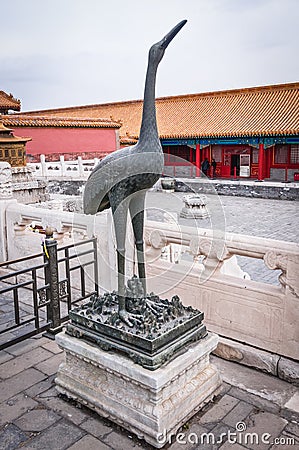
157	50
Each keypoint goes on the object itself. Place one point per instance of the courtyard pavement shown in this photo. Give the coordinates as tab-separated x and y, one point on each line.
253	411
262	410
273	219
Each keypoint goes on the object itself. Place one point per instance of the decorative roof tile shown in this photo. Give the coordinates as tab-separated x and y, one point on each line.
7	136
22	120
128	140
7	101
265	110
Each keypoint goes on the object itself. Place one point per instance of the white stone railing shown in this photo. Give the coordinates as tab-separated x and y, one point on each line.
259	314
256	313
63	169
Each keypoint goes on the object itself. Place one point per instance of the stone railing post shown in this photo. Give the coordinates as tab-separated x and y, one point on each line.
80	167
62	166
43	165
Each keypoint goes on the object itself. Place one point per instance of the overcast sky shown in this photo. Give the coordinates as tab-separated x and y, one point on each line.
58	53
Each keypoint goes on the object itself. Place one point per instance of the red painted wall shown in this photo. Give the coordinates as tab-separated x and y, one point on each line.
67	140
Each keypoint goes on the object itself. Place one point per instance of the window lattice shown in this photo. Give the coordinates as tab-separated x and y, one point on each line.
294	159
281	154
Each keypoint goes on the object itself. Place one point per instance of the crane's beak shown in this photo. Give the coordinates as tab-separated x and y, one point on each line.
169	36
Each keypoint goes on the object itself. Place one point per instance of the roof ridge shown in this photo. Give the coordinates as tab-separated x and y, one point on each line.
264	88
23	119
70	119
10	97
8	101
246	90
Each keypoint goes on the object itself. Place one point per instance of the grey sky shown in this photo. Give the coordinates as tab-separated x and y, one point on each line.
57	53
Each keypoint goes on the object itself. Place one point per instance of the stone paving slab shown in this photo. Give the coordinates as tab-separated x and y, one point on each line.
34	416
239	412
19	383
16	407
4	356
59	436
89	443
95	427
11	437
261	422
36	420
22	362
26	346
258	383
50	366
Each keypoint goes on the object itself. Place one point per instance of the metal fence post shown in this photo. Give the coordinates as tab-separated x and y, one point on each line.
52	283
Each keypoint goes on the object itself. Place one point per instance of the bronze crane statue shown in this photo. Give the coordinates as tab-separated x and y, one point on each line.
121	179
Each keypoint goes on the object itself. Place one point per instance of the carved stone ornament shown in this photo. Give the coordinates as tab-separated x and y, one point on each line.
147	404
205	246
195	206
156	239
5	180
274	260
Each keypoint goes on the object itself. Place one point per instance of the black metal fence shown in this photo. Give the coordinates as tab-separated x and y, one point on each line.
37	291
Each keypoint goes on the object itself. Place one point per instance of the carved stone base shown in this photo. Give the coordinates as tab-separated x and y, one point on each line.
151	404
195	207
194	213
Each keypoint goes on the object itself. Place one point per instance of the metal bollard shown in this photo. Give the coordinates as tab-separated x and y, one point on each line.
52	283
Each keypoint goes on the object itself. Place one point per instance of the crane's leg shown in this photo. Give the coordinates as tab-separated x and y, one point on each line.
120	213
136	207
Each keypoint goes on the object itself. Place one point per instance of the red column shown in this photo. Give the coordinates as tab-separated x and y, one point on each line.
260	176
197	160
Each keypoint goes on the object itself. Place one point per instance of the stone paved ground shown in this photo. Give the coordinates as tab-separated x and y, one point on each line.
34	416
274	219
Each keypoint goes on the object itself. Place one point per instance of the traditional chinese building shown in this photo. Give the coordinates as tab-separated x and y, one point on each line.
72	137
8	103
251	133
12	148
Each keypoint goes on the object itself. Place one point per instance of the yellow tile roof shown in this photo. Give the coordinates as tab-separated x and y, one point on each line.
16	120
265	110
7	101
7	136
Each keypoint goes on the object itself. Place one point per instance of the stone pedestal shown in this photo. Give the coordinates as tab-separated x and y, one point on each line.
195	207
151	404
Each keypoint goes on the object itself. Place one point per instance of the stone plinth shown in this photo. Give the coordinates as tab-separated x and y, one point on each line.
151	404
195	207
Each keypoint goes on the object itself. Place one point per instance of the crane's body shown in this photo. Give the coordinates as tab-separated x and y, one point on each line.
121	179
117	169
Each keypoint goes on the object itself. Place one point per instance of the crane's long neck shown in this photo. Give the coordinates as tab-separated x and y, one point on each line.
149	130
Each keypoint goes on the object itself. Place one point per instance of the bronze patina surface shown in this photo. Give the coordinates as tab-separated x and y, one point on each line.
160	330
